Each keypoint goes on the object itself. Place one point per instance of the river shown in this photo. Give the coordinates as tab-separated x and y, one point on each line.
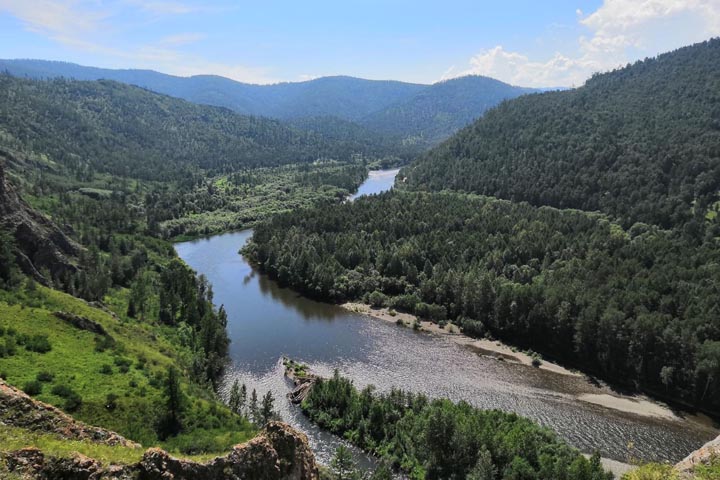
266	322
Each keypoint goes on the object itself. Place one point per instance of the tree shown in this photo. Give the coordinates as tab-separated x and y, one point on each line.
254	412
266	412
8	270
484	468
709	364
170	424
243	399
343	465
234	402
382	472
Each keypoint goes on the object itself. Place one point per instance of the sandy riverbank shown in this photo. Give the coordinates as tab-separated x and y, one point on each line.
491	348
637	405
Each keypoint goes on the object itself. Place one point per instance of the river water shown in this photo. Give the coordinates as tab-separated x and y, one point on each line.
266	322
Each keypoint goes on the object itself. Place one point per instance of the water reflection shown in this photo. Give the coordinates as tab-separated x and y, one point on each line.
308	309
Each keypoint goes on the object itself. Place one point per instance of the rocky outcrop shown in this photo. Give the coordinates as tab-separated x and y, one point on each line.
17	409
42	246
278	453
82	323
302	379
701	456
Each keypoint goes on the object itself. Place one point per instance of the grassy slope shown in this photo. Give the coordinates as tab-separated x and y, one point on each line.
76	362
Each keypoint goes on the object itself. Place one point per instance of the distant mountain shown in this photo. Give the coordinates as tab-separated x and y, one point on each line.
106	126
641	143
418	115
440	110
344	97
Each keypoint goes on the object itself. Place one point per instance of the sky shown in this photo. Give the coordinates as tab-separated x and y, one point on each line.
550	43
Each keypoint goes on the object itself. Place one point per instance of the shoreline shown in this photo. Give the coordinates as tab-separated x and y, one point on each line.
639	404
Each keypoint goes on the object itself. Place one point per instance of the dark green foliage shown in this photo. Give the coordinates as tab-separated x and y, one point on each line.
126	131
9	275
73	400
342	464
37	343
111	401
640	143
170	423
186	300
45	377
267	409
442	440
573	286
253	409
33	387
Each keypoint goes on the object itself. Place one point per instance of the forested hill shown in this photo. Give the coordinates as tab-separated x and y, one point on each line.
344	97
105	126
421	115
443	108
641	143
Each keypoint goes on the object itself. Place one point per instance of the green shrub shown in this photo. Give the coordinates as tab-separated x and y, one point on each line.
106	369
45	377
33	387
377	299
111	401
123	364
652	471
103	343
38	343
73	400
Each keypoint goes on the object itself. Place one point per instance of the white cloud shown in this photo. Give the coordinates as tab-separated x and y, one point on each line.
56	19
620	31
91	25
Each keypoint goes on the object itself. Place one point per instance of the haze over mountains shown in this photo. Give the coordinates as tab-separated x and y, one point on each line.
418	114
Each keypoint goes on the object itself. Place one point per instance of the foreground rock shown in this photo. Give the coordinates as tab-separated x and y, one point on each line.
278	453
17	409
701	456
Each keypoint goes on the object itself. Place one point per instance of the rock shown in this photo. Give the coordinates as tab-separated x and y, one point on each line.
278	453
699	457
82	323
41	244
303	382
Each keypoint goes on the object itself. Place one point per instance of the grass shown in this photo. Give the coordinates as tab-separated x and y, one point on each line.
13	438
131	369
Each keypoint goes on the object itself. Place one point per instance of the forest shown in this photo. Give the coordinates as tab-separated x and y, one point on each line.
111	128
641	143
437	439
636	306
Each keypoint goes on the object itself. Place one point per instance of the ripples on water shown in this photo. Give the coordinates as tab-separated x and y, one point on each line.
266	322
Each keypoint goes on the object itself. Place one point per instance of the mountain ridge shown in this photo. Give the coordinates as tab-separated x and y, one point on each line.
417	114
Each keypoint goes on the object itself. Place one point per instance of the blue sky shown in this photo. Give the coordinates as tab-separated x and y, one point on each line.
529	43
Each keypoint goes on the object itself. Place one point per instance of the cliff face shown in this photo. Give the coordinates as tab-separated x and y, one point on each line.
42	245
277	453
